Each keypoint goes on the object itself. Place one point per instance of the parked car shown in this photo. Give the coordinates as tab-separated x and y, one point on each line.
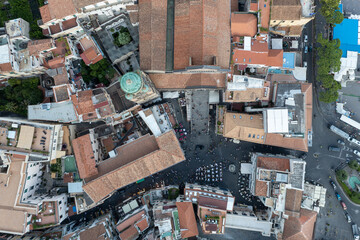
338	196
306	49
341	142
333	184
334	149
343	205
348	218
357	153
306	38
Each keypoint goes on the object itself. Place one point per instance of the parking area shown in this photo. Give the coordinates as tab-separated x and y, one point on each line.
331	221
41	139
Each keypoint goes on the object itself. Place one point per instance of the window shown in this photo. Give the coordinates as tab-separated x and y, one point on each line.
257	136
240	116
25	191
61	216
35	175
32	187
251	118
262	137
60	202
253	135
28	177
234	116
249	135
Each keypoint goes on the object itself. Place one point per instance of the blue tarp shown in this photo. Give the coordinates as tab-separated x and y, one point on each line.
347	33
288	60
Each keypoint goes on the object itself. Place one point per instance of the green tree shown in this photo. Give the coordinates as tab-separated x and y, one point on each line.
99	72
329	55
19	94
124	38
329	95
342	175
353	164
330	9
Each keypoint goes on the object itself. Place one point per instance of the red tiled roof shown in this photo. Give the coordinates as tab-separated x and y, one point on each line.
264	6
301	228
129	234
152	34
243	24
254	7
84	156
273	163
5	67
166	155
37	46
130	221
187	220
293	201
261	188
271	58
56	62
57	9
212	202
90	56
142	224
70	23
188	80
55	28
83	102
45	13
202	32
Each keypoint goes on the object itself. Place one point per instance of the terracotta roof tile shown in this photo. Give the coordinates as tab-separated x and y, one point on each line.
45	13
234	5
90	56
261	188
129	234
55	28
37	46
62	77
188	80
264	6
142	224
258	55
5	67
187	219
209	202
254	7
273	163
84	156
57	9
202	32
286	10
152	34
94	233
70	23
130	221
293	200
168	154
244	127
301	228
83	102
56	62
243	24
